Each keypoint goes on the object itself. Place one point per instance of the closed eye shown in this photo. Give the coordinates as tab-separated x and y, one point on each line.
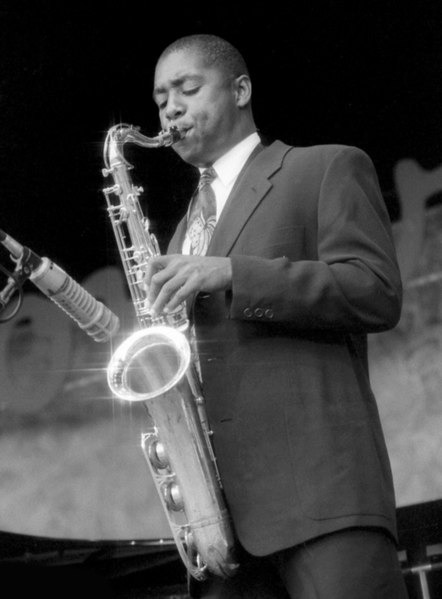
162	103
190	92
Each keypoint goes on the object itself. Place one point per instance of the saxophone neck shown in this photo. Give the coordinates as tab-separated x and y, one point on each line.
120	134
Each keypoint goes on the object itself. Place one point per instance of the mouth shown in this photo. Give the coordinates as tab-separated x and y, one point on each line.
184	132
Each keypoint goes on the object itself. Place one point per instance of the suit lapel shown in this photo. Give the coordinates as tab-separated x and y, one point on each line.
251	187
249	190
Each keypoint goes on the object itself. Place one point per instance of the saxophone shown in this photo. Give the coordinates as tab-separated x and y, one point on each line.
155	365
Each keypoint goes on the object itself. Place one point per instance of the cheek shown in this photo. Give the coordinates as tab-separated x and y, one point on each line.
210	113
204	120
213	120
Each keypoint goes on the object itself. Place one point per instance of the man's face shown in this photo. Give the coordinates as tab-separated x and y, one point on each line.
200	101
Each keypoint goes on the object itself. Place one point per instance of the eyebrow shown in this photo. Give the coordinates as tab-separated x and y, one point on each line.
177	82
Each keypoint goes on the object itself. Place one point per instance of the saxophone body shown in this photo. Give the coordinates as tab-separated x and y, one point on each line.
155	365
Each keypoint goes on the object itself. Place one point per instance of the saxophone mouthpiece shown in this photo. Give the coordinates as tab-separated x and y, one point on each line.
171	136
176	134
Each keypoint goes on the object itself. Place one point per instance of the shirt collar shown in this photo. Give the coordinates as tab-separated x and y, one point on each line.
230	164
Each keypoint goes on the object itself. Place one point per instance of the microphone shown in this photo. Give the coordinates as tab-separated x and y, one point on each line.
90	315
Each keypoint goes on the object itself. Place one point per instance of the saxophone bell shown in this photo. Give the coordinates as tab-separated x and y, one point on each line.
149	363
154	365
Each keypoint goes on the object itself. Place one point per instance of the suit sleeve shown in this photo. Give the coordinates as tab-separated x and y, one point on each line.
353	283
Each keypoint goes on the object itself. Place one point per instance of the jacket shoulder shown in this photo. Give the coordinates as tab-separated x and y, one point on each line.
320	156
320	151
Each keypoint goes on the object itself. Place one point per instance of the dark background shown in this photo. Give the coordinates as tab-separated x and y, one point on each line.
365	74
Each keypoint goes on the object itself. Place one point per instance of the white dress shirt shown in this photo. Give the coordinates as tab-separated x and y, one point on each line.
227	170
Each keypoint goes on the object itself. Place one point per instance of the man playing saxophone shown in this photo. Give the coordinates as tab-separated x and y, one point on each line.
286	265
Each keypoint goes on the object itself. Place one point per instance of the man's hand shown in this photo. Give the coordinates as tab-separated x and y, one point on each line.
172	279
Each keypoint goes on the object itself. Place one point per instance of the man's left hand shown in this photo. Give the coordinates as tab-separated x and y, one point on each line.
171	279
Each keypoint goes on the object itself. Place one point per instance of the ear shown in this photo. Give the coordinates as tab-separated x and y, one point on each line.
243	90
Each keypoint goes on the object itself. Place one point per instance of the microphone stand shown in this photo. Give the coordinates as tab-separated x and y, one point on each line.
16	279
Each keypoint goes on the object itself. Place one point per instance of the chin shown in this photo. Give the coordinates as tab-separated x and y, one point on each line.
186	154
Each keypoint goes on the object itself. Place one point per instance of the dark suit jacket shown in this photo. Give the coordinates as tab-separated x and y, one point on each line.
297	434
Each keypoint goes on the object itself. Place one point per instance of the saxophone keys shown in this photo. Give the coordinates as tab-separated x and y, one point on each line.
172	496
158	456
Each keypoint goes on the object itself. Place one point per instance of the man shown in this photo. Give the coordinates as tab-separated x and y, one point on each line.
300	267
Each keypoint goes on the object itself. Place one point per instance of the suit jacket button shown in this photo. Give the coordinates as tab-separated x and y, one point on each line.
259	312
269	313
248	312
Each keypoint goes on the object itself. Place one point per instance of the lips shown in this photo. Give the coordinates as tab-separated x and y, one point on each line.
183	130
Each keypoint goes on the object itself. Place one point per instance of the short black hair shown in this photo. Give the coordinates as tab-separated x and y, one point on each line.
215	50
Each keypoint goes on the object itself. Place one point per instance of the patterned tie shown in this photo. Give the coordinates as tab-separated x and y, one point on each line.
202	215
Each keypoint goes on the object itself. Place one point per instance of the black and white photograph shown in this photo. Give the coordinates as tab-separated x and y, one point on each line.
221	300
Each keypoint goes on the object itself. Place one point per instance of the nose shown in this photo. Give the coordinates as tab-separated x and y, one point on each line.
174	108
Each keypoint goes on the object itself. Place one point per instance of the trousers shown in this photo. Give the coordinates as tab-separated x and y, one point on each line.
348	564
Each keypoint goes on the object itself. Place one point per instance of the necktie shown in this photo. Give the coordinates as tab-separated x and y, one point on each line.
202	216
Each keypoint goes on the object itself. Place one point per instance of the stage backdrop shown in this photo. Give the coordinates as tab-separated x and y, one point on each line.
71	463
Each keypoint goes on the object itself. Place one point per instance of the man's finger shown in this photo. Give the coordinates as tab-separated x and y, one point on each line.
180	295
171	290
155	264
